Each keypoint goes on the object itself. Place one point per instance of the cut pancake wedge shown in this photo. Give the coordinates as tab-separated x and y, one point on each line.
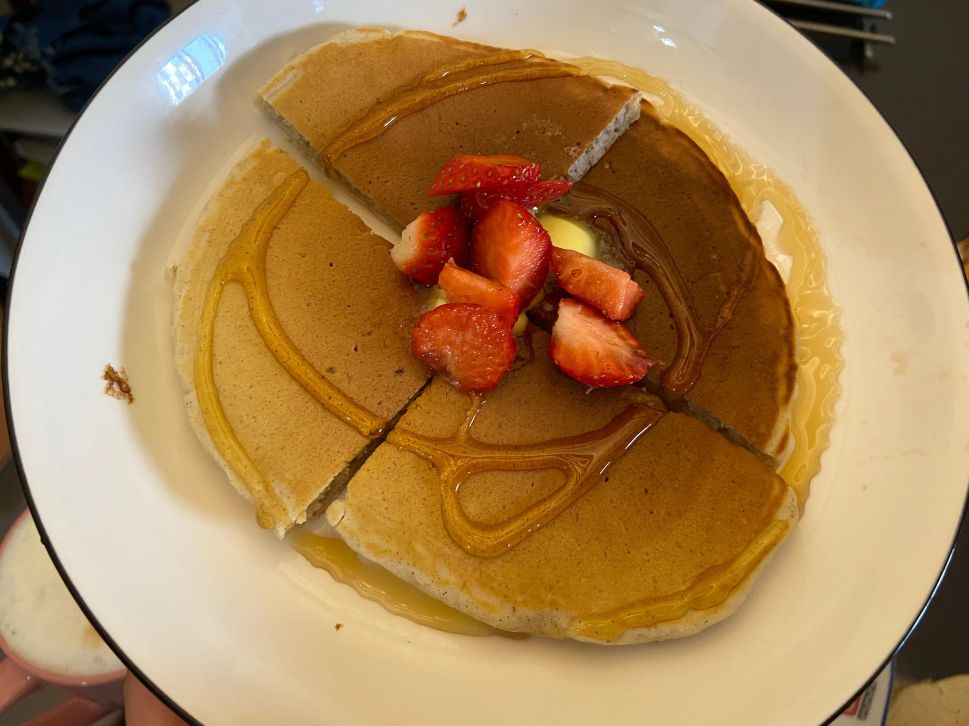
532	107
746	377
334	311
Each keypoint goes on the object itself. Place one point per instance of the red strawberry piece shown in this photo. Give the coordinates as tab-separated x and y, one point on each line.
464	286
510	246
474	203
611	290
430	241
594	350
475	171
470	345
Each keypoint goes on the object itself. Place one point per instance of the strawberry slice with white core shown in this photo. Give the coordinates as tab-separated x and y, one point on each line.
594	350
610	290
509	245
470	345
476	171
430	241
474	203
464	286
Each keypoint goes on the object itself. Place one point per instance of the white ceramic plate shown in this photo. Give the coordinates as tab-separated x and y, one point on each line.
237	629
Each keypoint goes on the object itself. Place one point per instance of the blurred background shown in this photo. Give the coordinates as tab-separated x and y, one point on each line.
910	58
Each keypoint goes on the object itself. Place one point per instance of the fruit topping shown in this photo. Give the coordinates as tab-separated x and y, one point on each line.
509	245
468	335
464	286
474	203
594	350
475	171
430	241
470	345
610	290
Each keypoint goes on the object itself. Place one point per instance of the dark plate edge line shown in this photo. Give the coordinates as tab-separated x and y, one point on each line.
26	488
965	502
15	450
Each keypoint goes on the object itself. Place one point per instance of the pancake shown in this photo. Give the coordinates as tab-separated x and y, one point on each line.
566	123
280	446
746	377
615	516
663	545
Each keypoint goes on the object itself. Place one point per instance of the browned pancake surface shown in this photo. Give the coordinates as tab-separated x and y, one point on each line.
341	301
748	374
669	521
526	118
549	120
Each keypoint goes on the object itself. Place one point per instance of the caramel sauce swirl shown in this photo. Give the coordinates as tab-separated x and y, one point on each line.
817	317
641	246
460	77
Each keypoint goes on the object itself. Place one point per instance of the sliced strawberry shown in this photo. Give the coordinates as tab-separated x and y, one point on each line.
510	246
475	171
594	350
464	286
430	241
470	345
610	290
473	203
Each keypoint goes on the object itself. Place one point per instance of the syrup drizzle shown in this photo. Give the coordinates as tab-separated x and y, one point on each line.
583	459
375	583
816	316
460	77
709	589
244	263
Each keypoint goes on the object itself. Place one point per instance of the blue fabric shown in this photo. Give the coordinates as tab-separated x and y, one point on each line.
72	45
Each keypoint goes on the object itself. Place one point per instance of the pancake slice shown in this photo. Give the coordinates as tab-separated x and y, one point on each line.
746	377
664	544
532	107
340	309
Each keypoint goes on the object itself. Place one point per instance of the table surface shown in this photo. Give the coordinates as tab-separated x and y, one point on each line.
921	86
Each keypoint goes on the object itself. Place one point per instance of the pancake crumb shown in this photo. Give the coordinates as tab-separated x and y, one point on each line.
116	383
461	17
337	626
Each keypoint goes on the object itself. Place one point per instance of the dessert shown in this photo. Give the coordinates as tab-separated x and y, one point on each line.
619	514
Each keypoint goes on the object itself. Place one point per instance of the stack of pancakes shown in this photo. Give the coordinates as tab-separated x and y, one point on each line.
620	515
